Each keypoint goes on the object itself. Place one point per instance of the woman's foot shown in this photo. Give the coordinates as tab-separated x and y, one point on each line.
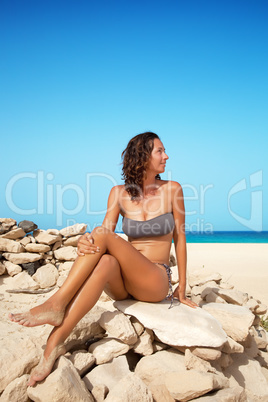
46	313
43	369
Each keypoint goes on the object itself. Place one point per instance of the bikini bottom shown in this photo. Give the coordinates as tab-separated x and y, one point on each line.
170	292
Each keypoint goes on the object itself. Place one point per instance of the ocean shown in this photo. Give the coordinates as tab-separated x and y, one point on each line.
228	237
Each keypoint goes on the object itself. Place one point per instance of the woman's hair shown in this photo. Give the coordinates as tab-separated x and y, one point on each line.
135	162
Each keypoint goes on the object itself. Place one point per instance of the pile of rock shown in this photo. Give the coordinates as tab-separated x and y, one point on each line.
36	257
134	351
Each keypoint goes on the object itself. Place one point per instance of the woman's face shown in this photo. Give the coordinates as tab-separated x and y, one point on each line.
158	158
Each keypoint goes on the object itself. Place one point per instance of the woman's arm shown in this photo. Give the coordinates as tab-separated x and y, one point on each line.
86	242
180	242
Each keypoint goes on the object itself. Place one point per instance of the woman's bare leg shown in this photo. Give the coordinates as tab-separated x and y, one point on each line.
106	272
144	280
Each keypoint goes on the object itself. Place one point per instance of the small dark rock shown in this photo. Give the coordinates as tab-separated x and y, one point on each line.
31	267
27	226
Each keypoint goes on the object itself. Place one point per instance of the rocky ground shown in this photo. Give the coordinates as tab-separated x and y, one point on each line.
127	351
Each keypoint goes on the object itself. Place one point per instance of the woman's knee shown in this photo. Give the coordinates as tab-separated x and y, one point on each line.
106	264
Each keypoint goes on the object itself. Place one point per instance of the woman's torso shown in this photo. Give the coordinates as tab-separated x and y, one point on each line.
149	222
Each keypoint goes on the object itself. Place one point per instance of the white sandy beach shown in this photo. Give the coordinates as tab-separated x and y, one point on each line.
245	265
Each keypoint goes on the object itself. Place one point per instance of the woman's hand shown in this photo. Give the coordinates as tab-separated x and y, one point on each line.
86	245
180	294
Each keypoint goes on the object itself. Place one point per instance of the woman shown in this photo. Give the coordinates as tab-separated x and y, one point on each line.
153	214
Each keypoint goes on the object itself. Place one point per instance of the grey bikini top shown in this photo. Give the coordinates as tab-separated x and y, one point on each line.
158	226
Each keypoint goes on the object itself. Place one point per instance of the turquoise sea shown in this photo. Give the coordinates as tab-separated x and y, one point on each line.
228	237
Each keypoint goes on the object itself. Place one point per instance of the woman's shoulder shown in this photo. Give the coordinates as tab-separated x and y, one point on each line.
171	184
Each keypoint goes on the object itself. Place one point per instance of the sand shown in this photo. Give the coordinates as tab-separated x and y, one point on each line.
244	265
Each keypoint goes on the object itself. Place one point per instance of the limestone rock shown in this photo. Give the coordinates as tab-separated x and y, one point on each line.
6	224
232	346
261	309
139	328
2	268
65	266
37	248
184	386
144	345
129	389
22	258
46	276
106	349
54	232
18	357
66	253
233	296
206	353
259	336
199	278
158	365
196	363
63	384
234	394
179	326
72	241
212	297
25	241
11	246
160	392
82	361
77	229
41	236
235	320
204	289
109	373
27	226
24	281
247	372
86	329
100	392
12	269
14	234
16	390
117	325
174	274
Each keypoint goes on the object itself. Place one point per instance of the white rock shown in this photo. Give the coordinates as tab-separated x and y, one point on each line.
259	336
12	269
77	229
14	234
16	390
18	357
63	384
247	372
196	363
192	384
235	320
41	236
144	345
226	285
157	365
11	246
24	281
22	258
87	328
139	328
37	248
65	266
109	373
61	279
2	268
206	353
160	392
179	326
261	309
117	325
174	274
199	278
205	289
107	349
100	392
233	296
72	241
82	361
234	394
128	389
46	276
157	346
66	253
212	297
232	346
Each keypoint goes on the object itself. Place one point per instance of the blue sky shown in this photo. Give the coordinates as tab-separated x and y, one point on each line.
78	79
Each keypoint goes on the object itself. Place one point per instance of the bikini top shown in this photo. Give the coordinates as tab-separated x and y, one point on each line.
158	226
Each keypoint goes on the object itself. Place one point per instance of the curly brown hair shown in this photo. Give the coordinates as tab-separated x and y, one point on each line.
135	162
